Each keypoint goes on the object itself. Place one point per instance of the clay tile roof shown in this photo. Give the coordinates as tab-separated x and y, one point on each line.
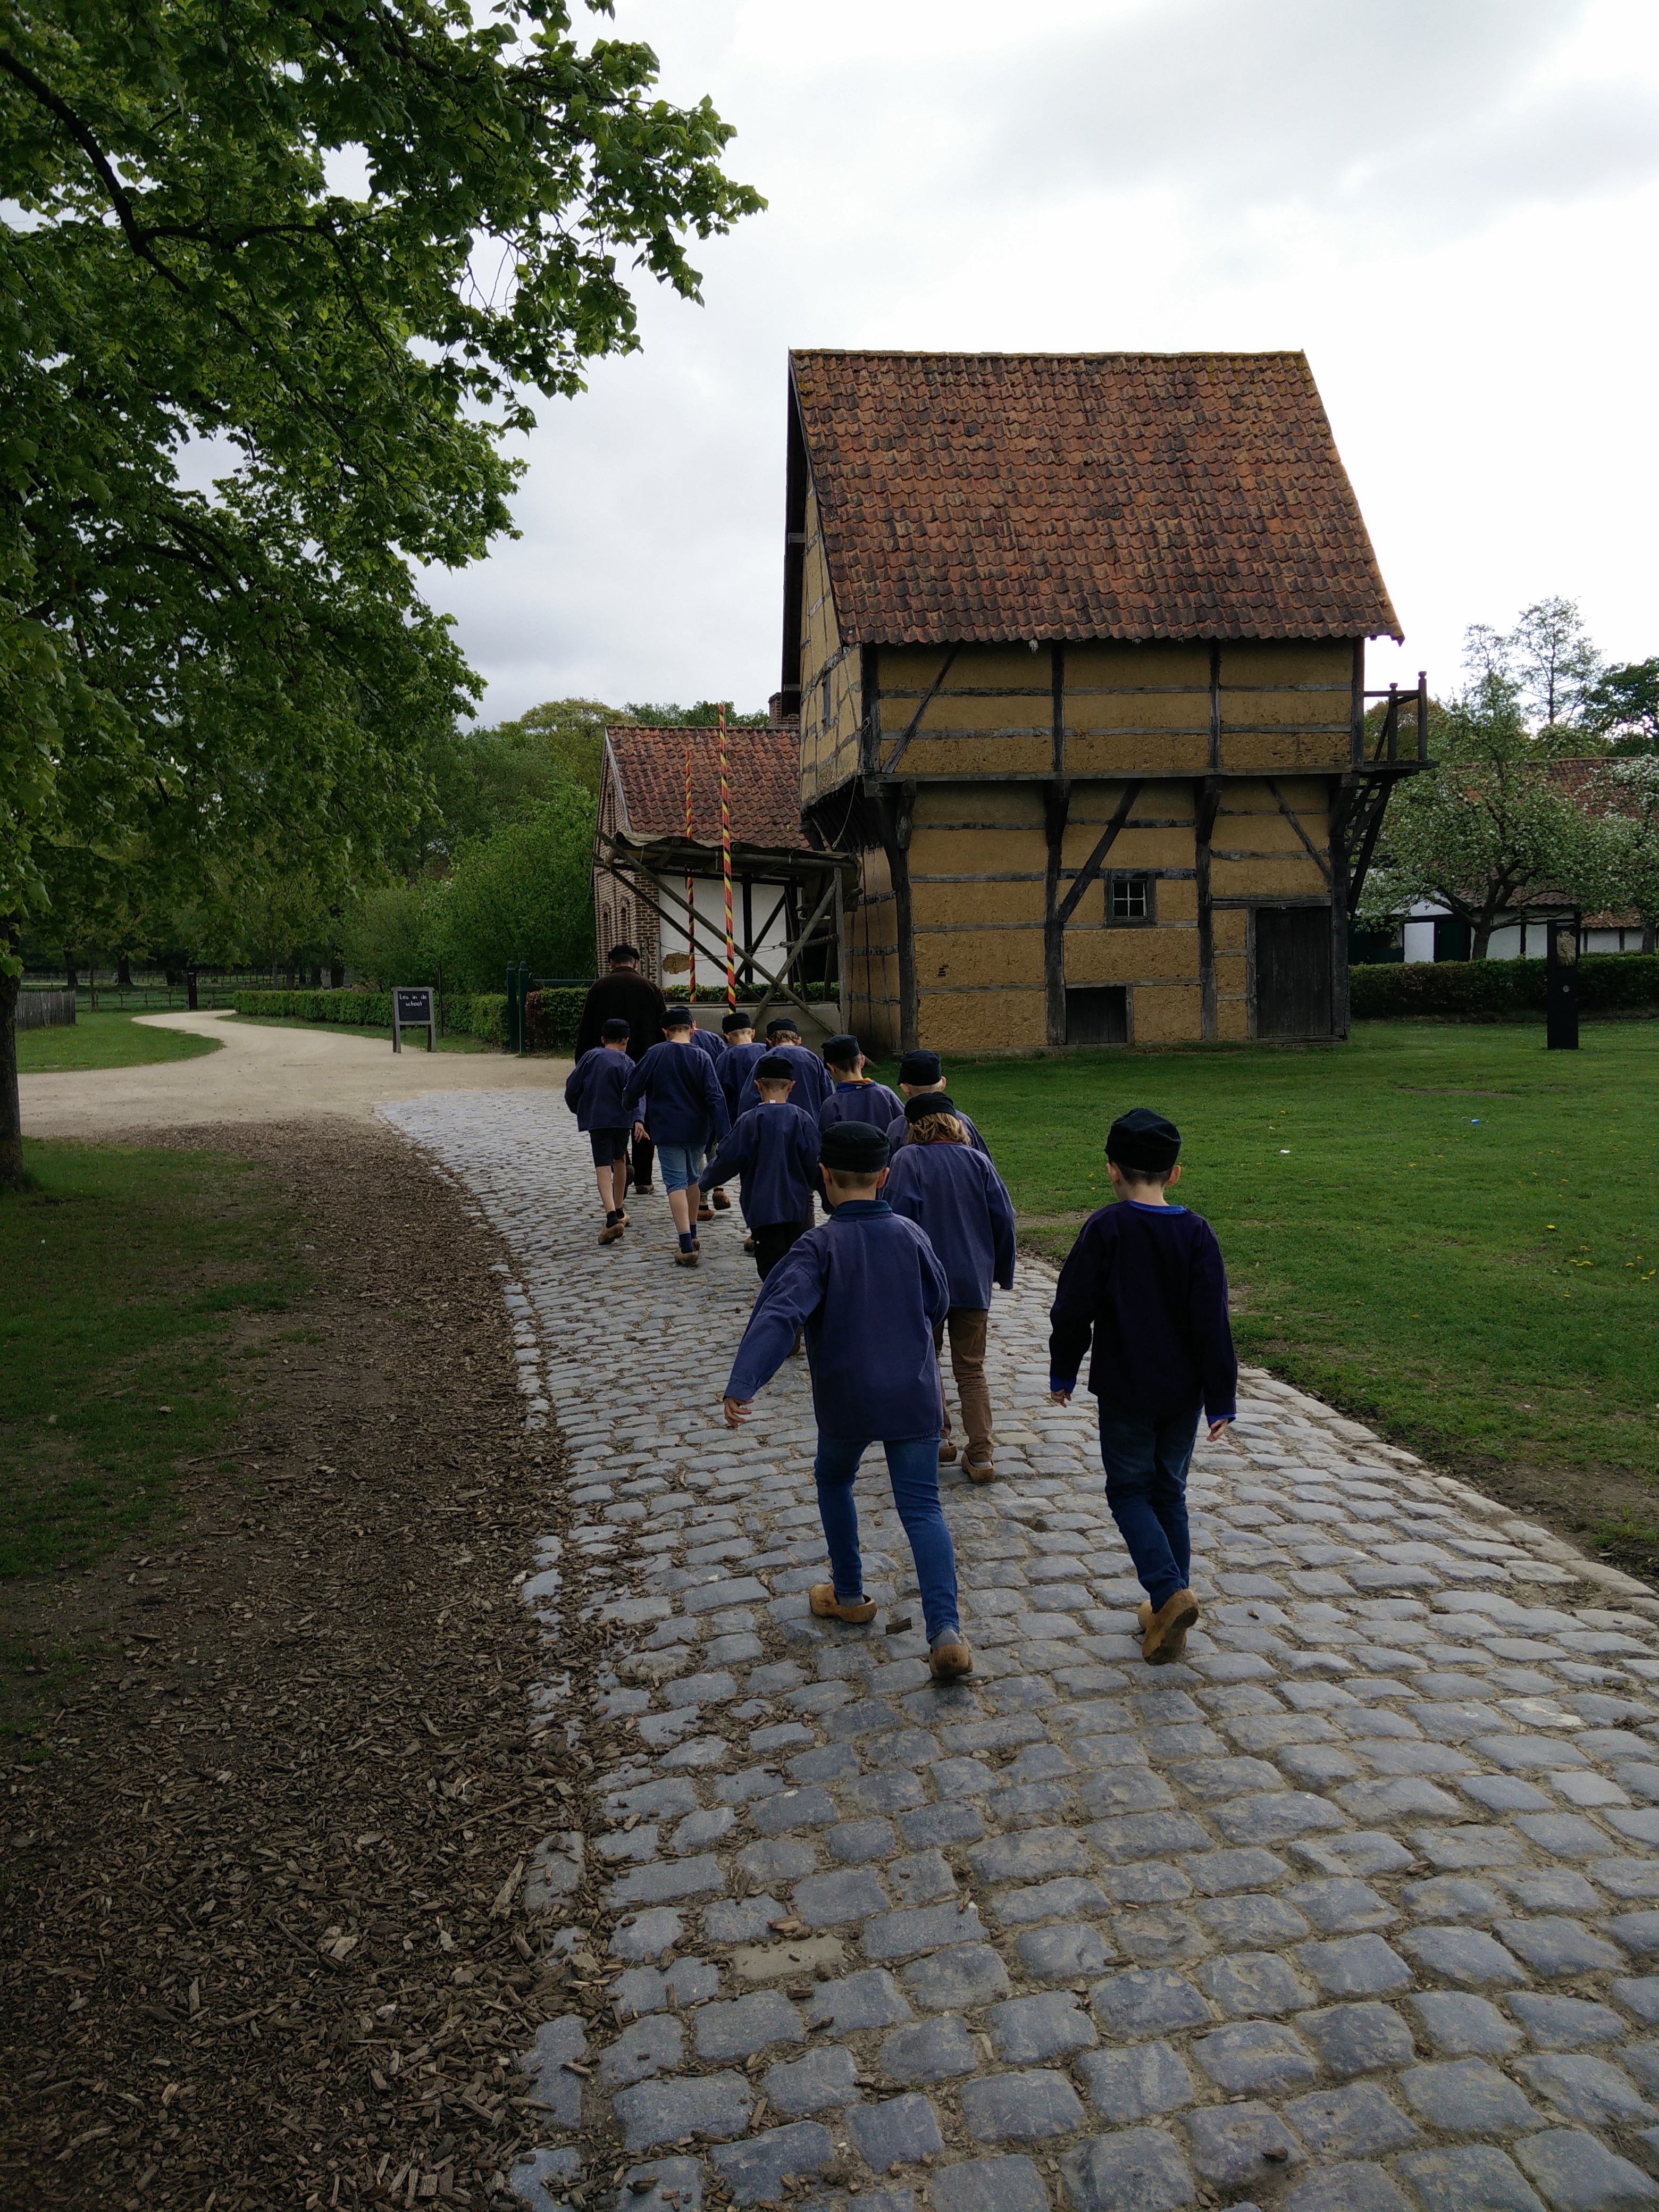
762	778
1000	496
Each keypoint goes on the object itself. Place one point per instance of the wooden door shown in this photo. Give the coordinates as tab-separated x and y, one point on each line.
1292	972
1097	1015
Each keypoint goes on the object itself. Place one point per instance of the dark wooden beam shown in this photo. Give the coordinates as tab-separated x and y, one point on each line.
1357	710
1206	802
1337	875
1313	851
1215	710
893	820
1056	806
1090	868
914	722
870	700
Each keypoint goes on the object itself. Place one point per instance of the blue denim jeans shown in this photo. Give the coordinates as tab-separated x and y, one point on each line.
1146	1462
913	1468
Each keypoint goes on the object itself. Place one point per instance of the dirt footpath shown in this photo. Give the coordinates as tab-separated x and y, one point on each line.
263	1075
257	1941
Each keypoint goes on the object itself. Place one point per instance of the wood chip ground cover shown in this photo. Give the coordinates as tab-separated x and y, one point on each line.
261	1941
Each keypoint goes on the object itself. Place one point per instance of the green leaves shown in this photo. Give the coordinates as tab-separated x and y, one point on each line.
282	272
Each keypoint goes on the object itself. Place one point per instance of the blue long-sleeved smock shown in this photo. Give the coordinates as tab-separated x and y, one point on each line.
774	1148
596	1089
956	1195
868	1289
860	1102
812	1083
898	1132
1147	1283
677	1094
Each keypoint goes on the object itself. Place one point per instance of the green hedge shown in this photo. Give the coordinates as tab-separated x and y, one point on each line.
482	1015
1477	990
552	1016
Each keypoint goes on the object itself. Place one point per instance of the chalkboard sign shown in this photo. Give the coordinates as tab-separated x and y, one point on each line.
415	1009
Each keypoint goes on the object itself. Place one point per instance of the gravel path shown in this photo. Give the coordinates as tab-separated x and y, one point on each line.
263	1074
1355	1909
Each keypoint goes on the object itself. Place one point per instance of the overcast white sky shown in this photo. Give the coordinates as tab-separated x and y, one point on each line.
1450	205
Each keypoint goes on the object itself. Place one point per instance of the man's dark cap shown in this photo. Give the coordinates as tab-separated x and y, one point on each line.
921	1068
781	1023
1144	1142
616	1027
737	1022
619	952
773	1067
679	1018
841	1051
853	1148
930	1102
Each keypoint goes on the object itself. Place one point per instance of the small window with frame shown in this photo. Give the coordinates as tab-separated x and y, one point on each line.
1131	902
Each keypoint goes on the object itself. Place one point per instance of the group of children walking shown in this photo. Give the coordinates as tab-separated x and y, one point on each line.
919	1227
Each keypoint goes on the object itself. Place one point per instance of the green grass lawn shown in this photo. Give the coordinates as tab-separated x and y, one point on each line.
1445	1230
414	1041
104	1039
127	1271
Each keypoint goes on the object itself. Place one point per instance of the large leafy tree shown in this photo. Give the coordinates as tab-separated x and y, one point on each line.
274	277
1487	827
1622	705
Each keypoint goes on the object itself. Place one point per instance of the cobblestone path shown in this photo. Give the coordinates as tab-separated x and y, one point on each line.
1355	1911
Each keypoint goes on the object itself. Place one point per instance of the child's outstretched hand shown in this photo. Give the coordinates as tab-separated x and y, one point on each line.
736	1411
1216	1427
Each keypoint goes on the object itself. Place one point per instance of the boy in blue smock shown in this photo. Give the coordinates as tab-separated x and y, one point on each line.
774	1148
1144	1280
856	1097
595	1091
714	1046
812	1083
674	1099
953	1192
919	1072
868	1292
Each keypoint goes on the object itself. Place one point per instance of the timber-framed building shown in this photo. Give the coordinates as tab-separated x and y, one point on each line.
1077	647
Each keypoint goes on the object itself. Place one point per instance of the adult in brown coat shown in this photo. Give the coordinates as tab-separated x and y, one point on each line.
626	995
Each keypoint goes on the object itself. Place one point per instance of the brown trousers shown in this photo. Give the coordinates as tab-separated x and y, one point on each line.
967	1326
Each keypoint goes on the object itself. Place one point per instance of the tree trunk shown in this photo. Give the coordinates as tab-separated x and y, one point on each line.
1479	938
70	970
12	1177
124	974
1647	934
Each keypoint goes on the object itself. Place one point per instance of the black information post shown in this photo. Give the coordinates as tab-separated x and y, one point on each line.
1561	984
415	1010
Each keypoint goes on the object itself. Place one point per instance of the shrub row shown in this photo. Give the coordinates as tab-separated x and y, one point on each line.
552	1016
482	1015
1476	990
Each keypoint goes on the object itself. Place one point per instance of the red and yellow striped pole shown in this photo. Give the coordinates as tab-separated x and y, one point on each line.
726	872
690	891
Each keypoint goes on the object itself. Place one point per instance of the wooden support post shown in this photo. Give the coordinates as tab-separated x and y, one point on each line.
893	817
1357	713
1337	875
1215	710
870	702
1206	801
1422	713
1056	809
1056	806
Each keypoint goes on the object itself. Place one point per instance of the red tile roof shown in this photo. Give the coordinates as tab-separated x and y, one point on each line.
763	777
1133	495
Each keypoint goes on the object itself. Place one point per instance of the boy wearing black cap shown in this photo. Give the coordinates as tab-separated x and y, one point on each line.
774	1148
868	1291
1145	1280
812	1083
674	1097
954	1195
925	1071
595	1091
856	1096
